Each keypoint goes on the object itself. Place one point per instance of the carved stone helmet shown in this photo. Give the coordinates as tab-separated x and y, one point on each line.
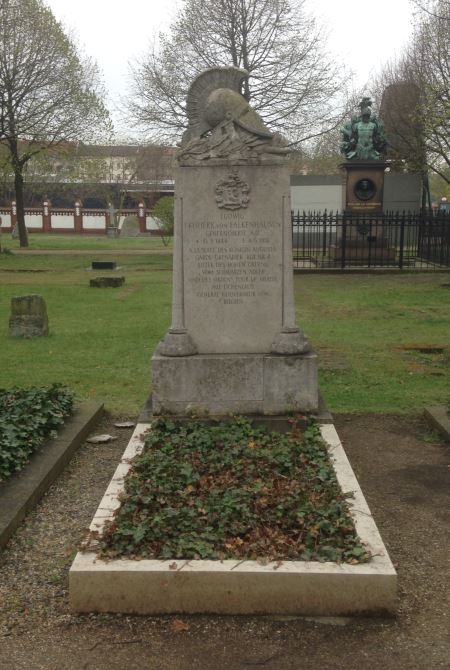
215	96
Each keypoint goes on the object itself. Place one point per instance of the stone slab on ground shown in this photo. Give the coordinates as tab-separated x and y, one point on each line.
107	282
237	587
103	265
21	493
438	416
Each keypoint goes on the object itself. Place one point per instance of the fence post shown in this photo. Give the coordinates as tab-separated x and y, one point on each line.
78	218
324	233
402	242
343	240
141	218
46	217
13	215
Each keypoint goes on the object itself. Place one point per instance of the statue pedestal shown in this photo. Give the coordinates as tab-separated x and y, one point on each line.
364	187
362	239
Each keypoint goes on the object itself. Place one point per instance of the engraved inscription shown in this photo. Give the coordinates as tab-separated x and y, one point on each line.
235	259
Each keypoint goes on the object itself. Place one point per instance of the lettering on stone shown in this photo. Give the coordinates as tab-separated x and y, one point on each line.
234	259
232	192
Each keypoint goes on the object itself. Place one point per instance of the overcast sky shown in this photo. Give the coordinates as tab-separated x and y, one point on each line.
361	33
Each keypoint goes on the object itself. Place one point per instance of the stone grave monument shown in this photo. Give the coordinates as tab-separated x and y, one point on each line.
130	226
233	346
28	316
364	144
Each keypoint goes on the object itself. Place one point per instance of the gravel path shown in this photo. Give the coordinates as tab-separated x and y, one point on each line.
404	475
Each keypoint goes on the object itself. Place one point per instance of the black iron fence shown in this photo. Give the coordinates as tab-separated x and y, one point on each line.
402	240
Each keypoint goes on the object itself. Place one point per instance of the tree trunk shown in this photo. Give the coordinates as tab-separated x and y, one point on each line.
18	187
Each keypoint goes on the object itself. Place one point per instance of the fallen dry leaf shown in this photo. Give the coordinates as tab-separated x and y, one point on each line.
178	626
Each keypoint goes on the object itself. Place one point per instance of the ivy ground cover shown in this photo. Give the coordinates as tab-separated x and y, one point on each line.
27	418
230	490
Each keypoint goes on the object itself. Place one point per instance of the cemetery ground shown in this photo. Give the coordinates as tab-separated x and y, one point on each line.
402	468
70	243
382	340
383	349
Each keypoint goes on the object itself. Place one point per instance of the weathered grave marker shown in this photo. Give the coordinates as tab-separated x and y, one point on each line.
130	227
28	316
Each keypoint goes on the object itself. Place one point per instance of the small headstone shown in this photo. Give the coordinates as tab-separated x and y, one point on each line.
103	265
130	227
125	424
28	316
107	282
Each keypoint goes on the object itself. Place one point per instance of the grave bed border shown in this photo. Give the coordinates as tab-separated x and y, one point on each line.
310	588
438	417
21	493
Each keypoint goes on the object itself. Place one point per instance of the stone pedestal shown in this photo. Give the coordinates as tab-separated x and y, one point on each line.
362	239
233	345
221	384
364	186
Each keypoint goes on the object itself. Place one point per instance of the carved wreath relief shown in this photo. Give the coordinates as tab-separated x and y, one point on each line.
232	192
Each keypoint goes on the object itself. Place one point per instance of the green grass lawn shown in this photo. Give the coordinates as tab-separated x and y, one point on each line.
53	242
101	340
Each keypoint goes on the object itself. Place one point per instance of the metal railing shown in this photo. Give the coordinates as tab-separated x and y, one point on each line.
402	240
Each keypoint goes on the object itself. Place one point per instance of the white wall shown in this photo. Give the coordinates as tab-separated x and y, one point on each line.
319	198
6	220
63	221
150	223
93	221
33	221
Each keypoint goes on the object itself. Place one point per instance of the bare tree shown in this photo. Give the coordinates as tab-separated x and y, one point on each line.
433	7
293	83
415	97
48	92
428	64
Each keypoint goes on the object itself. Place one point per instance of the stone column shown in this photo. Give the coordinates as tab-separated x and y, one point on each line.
177	341
290	340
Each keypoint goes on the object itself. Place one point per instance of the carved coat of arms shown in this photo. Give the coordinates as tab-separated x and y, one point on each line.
232	192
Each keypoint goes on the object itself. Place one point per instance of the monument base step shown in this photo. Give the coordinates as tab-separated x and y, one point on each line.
221	384
275	422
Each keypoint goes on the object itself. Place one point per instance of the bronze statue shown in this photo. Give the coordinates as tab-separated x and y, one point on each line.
364	137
